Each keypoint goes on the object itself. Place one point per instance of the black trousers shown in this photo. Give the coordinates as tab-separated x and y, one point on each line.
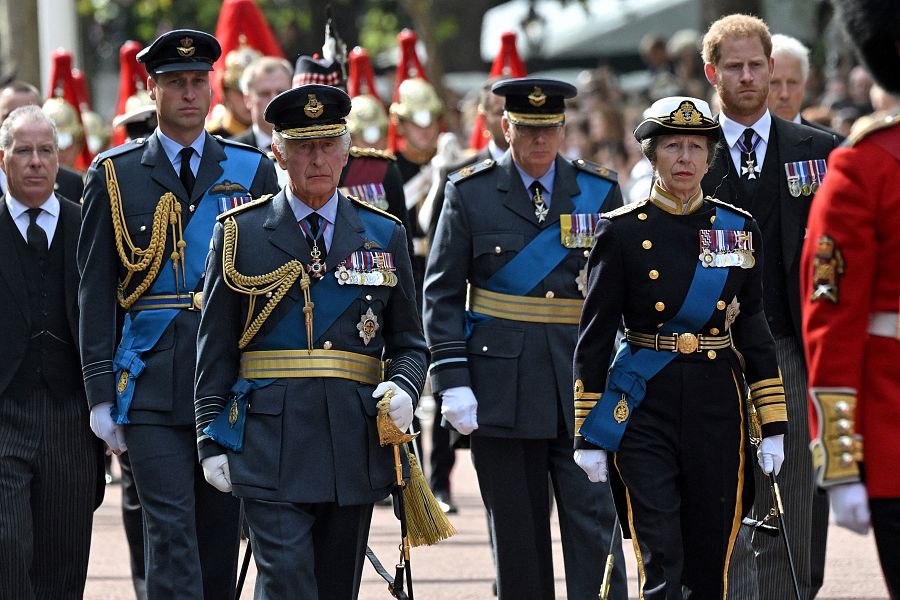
886	525
133	520
308	551
683	462
513	474
48	477
443	456
191	530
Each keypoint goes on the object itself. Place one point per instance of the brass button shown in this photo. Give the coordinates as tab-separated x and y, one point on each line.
714	331
327	345
587	253
720	305
653	274
646	244
642	216
711	354
660	307
712	219
549	294
484	348
497	249
368	297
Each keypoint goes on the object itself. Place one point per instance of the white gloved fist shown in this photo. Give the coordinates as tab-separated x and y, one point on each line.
216	472
850	506
401	404
106	429
770	453
592	462
459	406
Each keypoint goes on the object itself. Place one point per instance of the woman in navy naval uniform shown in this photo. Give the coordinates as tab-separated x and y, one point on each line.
685	273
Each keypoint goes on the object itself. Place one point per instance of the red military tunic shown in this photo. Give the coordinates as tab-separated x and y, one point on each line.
850	278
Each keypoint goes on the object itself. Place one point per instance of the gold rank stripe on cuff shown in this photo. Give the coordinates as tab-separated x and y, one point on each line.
278	364
582	410
565	311
767	396
766	382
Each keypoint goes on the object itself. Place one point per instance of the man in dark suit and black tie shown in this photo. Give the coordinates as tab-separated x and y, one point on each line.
50	463
149	209
771	168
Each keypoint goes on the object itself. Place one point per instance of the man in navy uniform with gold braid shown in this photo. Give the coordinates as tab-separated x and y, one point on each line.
310	318
685	272
148	216
514	236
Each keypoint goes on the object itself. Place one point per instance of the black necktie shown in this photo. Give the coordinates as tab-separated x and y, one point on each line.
537	198
35	234
186	175
749	166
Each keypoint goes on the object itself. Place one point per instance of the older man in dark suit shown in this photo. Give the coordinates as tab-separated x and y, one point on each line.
50	463
771	168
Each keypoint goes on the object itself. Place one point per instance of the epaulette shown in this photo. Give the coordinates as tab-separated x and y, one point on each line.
374	209
865	126
718	202
243	207
469	170
595	169
240	145
624	210
120	150
358	152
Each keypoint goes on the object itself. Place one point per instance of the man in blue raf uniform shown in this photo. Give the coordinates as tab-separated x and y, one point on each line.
514	237
148	215
310	318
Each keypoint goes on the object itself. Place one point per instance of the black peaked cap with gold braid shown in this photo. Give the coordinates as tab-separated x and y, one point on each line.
534	102
309	112
180	50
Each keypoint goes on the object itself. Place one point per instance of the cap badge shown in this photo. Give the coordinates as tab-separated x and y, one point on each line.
186	49
313	108
537	97
686	114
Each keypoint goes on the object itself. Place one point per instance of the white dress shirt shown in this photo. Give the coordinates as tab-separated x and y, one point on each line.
47	220
733	132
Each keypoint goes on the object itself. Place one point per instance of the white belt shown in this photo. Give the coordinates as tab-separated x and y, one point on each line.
884	324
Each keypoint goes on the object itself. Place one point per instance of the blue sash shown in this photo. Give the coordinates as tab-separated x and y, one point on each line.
331	300
630	372
543	253
143	329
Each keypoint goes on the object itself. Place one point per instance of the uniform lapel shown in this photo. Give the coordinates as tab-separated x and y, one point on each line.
565	187
285	232
210	170
10	267
348	232
515	196
161	170
69	225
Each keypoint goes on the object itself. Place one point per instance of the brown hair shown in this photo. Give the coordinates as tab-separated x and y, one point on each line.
734	26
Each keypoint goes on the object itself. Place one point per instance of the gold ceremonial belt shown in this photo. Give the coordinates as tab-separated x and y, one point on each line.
685	343
188	301
278	364
565	311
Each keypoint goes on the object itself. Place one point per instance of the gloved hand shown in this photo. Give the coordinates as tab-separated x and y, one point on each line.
592	462
401	404
770	453
850	506
216	472
459	406
106	429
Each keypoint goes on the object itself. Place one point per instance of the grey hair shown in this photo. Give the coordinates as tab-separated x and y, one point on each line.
785	44
278	141
29	112
264	65
650	145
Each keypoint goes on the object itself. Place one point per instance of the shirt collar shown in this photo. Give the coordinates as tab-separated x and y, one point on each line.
673	205
796	119
496	151
263	139
172	148
17	209
733	130
302	210
546	179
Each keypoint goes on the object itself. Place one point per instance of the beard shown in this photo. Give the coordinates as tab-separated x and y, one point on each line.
735	103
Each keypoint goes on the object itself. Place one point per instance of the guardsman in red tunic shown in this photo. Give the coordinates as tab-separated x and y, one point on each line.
851	295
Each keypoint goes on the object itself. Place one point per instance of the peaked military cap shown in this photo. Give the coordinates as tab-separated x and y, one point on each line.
678	115
309	111
318	70
534	102
180	50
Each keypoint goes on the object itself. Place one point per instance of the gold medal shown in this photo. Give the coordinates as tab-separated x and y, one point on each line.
123	382
233	412
621	411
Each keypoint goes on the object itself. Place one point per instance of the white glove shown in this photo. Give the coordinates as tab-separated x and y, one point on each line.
216	472
770	453
459	406
850	506
592	462
401	404
106	429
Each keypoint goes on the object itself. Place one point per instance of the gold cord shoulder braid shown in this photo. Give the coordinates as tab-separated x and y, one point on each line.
279	280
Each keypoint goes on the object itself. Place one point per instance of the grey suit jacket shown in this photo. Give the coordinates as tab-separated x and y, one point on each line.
521	373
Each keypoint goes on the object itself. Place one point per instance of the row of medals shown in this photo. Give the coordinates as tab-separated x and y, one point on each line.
347	276
738	258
